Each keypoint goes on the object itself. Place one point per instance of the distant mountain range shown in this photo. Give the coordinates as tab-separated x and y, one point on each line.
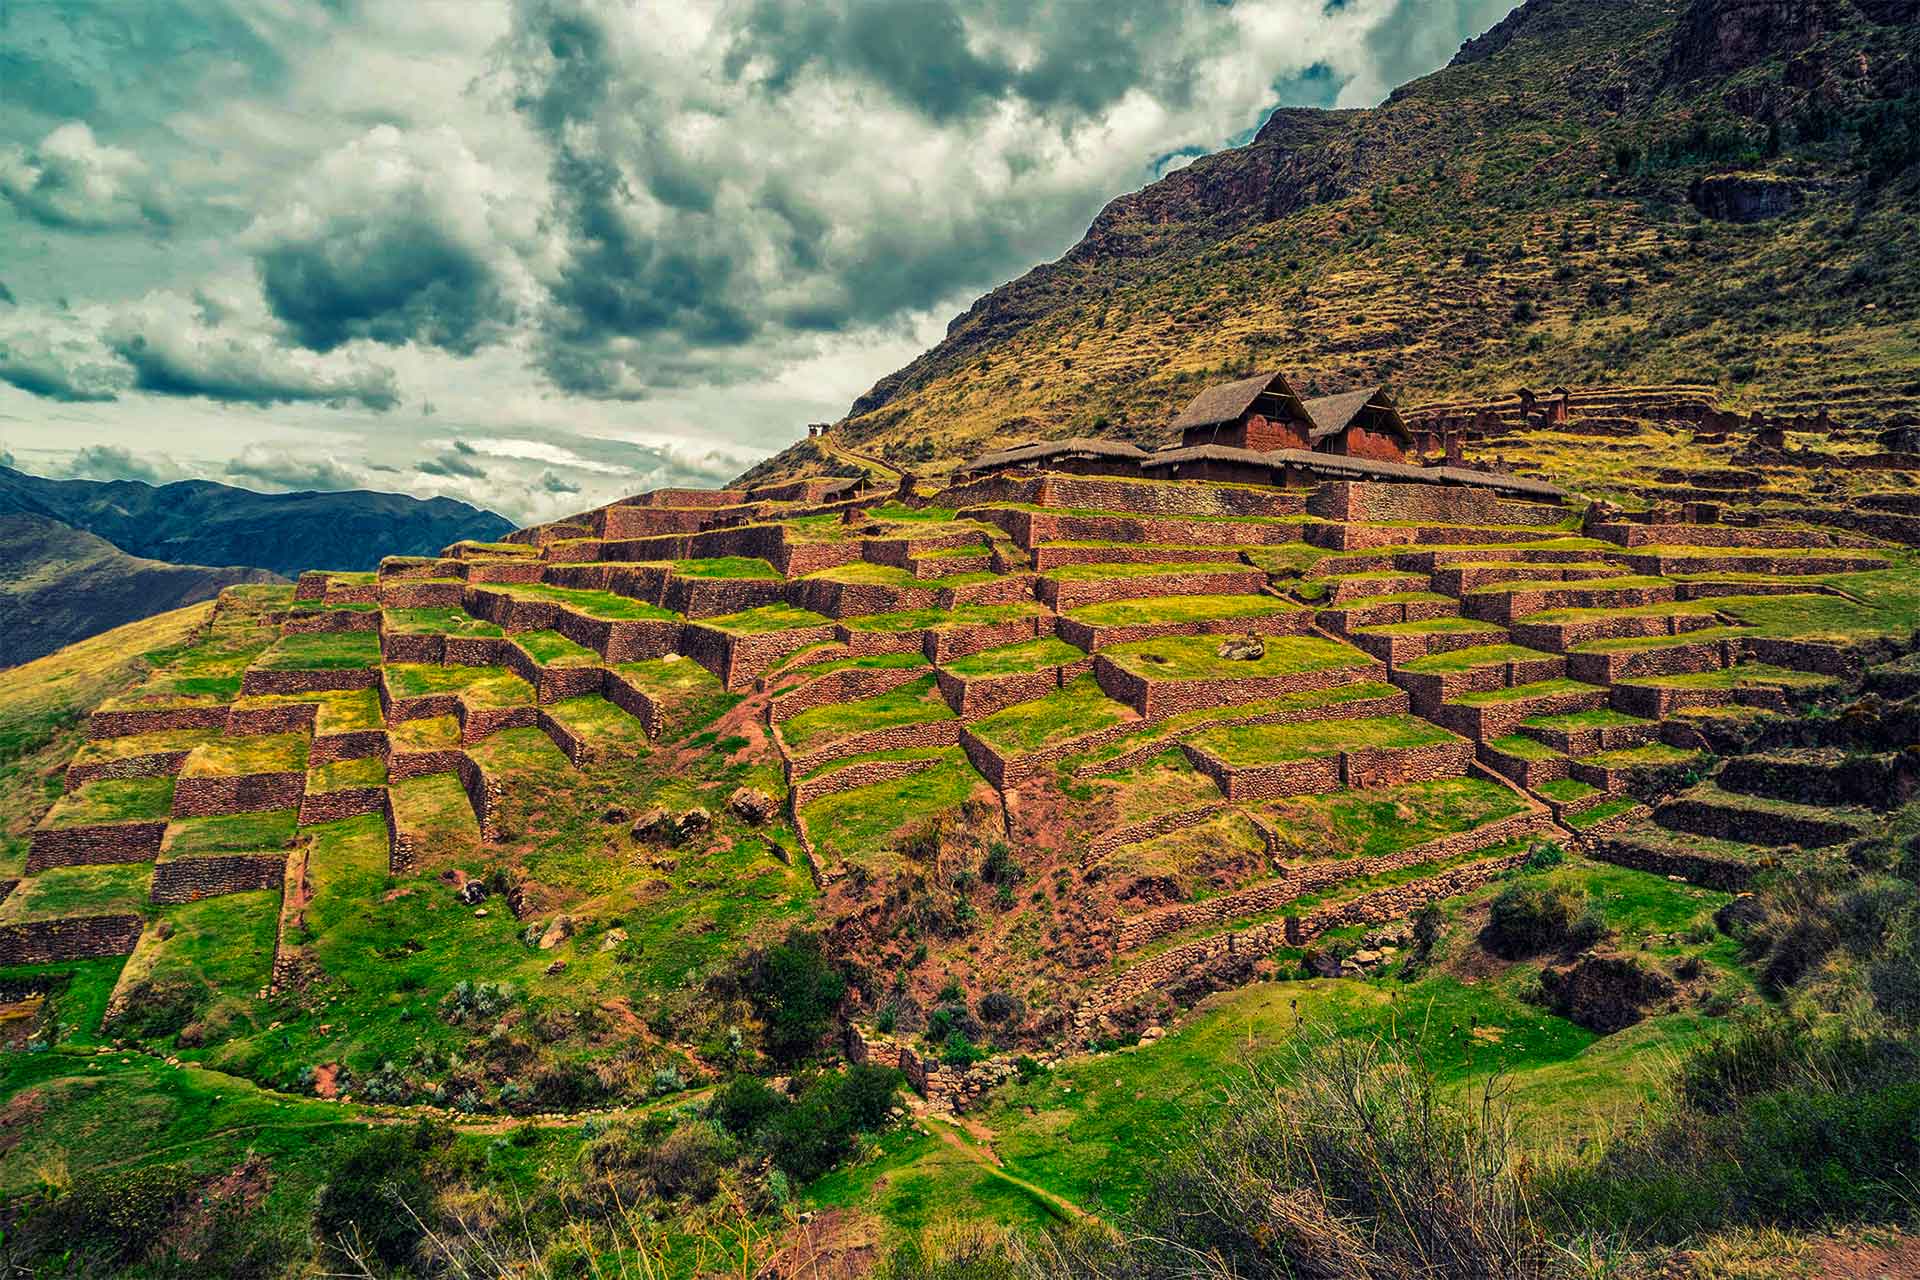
78	557
59	584
200	522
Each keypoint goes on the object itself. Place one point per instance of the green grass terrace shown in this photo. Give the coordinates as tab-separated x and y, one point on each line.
1198	658
1164	609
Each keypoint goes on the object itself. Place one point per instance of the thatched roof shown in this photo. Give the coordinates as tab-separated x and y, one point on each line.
1229	400
1333	414
1208	453
1502	481
1087	446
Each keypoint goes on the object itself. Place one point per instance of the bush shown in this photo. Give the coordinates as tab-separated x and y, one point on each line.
817	1131
746	1106
795	990
1532	916
115	1217
374	1190
475	1002
689	1162
156	1010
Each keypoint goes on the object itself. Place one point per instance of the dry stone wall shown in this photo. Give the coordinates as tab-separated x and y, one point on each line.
72	938
94	845
191	879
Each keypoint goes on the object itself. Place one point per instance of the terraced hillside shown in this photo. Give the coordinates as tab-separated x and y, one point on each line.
1097	743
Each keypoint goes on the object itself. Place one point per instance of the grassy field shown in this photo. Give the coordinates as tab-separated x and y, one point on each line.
1075	710
1198	658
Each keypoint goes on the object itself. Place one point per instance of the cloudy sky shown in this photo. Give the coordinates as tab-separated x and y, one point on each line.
540	253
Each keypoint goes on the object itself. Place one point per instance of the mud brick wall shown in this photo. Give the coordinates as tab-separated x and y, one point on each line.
258	681
804	791
575	748
944	644
281	717
1064	595
899	737
122	724
1159	699
74	938
849	684
191	879
245	793
1726	874
1442	504
635	702
95	845
331	806
1090	637
422	595
1152	828
1397	902
159	764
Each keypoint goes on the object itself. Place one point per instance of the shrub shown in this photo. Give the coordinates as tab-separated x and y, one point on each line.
999	867
746	1106
818	1130
795	990
115	1217
689	1162
475	1002
376	1187
1532	916
156	1010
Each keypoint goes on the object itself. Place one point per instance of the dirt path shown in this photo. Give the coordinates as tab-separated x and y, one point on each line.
952	1133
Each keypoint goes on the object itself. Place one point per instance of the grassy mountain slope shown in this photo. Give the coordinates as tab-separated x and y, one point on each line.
200	522
59	584
1530	214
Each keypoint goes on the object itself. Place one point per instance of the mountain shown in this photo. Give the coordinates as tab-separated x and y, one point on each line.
1592	192
199	522
59	584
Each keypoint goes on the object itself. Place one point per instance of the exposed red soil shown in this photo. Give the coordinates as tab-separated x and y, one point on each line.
838	1244
1897	1259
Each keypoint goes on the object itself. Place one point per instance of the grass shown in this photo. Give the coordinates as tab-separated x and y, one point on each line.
1737	677
551	649
1599	813
1032	655
904	754
113	800
1159	609
342	775
427	734
434	809
99	750
1376	822
1565	790
594	604
916	702
234	757
600	722
1520	692
1433	627
477	686
232	833
1076	709
1252	745
767	618
1152	569
1596	718
725	567
1522	747
859	825
935	619
1198	658
323	651
1652	753
1186	721
438	622
1630	581
340	710
1483	655
114	889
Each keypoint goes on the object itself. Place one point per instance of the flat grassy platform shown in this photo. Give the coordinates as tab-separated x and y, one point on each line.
232	757
1162	609
1076	709
1198	658
916	702
1252	745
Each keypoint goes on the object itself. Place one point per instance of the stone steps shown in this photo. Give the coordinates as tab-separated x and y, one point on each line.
1707	810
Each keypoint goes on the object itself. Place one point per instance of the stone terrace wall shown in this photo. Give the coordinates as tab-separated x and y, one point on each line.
191	879
258	681
349	802
72	938
280	717
1298	881
1441	504
95	845
159	764
1387	704
1085	635
331	620
899	737
123	724
246	793
849	684
1159	699
804	791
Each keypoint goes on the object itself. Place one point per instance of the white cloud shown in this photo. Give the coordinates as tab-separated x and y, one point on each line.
72	181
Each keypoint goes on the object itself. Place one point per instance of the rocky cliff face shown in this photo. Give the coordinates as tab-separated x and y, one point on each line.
1558	204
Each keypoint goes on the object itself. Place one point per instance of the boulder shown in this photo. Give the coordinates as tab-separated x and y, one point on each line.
693	822
615	815
1324	964
473	893
1247	648
556	933
753	805
655	826
1604	991
1743	197
612	938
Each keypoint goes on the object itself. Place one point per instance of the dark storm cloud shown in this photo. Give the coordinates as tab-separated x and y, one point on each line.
388	240
239	372
286	471
457	461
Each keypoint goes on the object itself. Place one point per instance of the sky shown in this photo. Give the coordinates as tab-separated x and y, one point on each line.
539	254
